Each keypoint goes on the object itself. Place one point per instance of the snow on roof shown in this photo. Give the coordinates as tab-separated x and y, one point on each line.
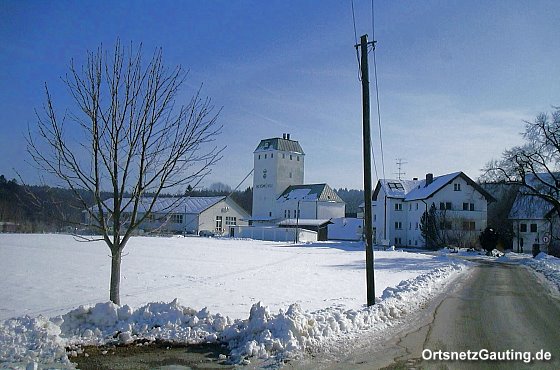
303	222
421	191
311	192
529	207
193	205
397	188
410	190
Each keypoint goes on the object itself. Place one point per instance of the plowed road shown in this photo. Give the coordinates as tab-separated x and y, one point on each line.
498	310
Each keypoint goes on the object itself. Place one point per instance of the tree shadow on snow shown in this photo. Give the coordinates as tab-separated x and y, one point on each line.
396	264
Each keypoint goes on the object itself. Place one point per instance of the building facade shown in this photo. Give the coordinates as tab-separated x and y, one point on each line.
278	163
280	197
279	192
187	215
398	206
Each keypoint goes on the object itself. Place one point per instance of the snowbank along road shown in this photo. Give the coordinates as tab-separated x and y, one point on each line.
501	311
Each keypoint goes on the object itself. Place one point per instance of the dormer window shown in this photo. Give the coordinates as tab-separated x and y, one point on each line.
266	145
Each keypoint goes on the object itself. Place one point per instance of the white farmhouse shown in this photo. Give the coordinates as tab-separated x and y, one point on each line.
187	215
398	206
532	223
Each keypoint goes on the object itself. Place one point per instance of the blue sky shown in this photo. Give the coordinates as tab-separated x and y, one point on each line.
456	78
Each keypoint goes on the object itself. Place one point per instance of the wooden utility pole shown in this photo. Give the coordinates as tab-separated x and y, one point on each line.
368	227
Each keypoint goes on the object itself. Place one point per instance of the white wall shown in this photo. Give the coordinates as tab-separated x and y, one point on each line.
272	175
272	233
410	215
224	208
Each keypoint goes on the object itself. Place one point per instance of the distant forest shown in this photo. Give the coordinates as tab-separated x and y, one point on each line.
35	209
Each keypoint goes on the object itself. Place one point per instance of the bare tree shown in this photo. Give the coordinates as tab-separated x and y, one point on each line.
125	135
536	164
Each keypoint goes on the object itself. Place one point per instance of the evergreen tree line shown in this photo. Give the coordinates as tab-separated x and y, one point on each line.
36	209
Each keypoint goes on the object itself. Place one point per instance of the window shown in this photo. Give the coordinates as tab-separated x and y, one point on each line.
444	206
410	226
231	220
288	213
265	156
259	156
533	228
465	206
395	186
417	206
176	219
283	156
523	228
417	226
398	225
410	207
219	223
290	175
285	214
271	155
471	207
295	213
297	158
469	225
291	157
457	187
397	241
398	206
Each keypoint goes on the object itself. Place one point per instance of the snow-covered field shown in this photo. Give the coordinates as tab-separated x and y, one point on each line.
262	298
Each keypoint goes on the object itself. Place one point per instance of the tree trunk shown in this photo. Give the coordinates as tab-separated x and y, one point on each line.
115	276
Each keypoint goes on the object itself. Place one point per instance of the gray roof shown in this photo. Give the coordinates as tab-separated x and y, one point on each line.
312	192
421	191
280	144
194	205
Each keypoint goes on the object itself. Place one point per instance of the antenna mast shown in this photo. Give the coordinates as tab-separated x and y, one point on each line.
399	173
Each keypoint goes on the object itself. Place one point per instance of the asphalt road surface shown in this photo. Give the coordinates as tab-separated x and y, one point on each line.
499	310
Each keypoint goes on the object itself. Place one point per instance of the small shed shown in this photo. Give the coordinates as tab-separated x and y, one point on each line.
319	226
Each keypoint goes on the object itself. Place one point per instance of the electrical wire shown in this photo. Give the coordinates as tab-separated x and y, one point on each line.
377	87
356	43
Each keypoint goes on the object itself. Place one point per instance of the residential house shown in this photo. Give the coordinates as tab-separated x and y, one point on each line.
189	215
398	206
532	224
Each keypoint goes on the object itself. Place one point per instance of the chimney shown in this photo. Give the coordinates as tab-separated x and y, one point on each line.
288	136
429	178
284	136
415	178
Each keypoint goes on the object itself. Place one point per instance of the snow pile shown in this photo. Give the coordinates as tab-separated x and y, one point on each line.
547	265
27	340
107	322
289	333
264	334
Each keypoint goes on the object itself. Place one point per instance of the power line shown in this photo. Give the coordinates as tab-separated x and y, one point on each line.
377	87
356	42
